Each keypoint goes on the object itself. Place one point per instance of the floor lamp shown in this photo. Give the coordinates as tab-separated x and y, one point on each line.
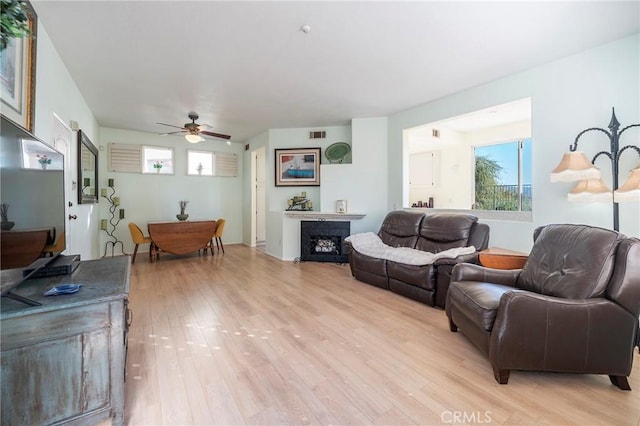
575	166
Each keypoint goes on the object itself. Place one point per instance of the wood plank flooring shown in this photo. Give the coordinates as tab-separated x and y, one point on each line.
243	338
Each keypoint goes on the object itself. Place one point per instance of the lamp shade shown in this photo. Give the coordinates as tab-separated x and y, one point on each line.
589	191
630	190
191	138
574	166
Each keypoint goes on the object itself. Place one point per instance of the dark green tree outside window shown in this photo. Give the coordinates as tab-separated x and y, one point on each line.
502	180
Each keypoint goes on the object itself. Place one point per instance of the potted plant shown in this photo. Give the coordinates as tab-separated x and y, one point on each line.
13	22
157	165
4	213
44	161
183	207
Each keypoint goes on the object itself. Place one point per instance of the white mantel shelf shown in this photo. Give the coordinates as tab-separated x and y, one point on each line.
321	215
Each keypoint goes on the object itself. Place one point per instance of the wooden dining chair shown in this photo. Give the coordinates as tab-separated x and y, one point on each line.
138	238
217	236
209	245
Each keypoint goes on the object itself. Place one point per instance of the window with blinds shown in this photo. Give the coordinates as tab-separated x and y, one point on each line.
144	159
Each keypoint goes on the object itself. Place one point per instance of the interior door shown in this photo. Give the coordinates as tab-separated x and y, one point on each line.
62	139
261	197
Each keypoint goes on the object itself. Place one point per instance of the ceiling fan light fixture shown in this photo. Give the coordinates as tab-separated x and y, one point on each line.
191	138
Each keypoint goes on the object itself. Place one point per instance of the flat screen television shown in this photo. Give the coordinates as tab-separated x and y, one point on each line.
32	201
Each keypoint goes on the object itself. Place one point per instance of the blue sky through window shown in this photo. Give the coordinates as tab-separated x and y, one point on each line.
506	155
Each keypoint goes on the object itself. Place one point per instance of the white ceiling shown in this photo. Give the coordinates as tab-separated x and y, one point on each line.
245	67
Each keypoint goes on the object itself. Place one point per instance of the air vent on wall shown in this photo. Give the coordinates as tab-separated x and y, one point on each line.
317	135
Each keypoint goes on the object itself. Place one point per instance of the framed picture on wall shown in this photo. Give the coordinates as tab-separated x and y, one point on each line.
18	74
298	167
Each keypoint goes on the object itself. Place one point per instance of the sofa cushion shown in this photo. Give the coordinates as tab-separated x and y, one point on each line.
369	269
479	301
443	231
400	228
557	267
418	275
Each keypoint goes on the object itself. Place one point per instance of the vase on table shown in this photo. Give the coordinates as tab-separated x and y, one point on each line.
4	212
183	207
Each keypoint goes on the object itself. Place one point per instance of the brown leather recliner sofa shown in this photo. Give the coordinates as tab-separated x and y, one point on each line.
573	307
432	233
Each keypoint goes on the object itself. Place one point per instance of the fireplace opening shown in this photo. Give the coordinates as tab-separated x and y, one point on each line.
323	241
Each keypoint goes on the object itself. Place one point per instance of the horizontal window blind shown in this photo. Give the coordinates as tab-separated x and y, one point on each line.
225	164
125	158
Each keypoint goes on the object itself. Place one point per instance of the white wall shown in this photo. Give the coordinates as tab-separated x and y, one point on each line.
155	197
367	187
363	182
56	92
277	196
568	96
298	138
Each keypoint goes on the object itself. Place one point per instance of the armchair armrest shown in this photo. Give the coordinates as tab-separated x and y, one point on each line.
463	258
538	332
471	272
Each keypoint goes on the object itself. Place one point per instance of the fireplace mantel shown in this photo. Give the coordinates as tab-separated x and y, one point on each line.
310	215
290	227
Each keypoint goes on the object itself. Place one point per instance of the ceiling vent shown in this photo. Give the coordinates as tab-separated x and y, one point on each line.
317	135
435	133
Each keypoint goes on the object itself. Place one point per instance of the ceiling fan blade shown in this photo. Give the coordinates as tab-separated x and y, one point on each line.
171	125
215	135
202	127
171	133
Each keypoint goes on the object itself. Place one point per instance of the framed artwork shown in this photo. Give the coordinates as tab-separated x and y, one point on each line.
298	167
18	75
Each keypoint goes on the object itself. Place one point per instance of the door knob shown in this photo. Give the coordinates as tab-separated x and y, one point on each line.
73	216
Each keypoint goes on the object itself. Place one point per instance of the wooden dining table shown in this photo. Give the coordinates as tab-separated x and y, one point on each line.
20	248
180	237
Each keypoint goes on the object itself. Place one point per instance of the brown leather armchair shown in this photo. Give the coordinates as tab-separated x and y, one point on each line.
573	307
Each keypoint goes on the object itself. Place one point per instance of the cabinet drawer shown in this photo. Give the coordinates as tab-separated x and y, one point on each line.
26	330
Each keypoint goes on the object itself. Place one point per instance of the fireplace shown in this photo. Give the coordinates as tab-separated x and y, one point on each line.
323	241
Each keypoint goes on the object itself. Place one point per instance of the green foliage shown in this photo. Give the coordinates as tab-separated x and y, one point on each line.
487	174
13	22
491	194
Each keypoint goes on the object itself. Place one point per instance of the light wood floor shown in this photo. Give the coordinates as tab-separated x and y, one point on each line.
244	338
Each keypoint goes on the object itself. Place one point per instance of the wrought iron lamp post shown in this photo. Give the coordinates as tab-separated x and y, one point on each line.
109	226
575	166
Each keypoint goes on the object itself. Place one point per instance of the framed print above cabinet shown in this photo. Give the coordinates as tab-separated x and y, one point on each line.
18	74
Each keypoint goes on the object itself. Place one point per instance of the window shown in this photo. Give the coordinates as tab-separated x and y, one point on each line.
503	176
157	160
206	163
199	163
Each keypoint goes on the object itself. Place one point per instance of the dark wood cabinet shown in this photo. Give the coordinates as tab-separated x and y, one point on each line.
64	361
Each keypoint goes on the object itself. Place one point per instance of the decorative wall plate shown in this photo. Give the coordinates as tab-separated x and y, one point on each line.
336	152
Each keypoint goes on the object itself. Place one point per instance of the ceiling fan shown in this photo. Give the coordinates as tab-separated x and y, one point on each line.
194	131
